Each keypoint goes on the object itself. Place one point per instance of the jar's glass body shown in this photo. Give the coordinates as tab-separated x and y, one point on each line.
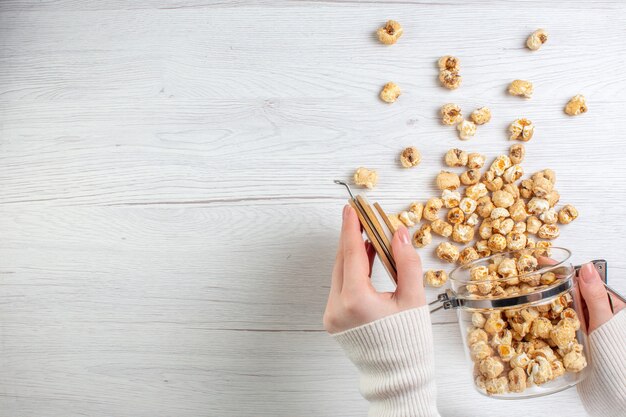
524	343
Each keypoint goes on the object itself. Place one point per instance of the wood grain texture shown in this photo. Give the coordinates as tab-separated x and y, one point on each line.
167	211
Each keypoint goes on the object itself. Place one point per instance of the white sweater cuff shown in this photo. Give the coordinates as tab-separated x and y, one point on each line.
395	357
603	392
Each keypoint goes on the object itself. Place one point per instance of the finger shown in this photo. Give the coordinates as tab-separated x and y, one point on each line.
355	261
337	277
409	267
371	254
595	295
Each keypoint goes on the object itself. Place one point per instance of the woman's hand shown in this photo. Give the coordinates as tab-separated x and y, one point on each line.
595	296
353	301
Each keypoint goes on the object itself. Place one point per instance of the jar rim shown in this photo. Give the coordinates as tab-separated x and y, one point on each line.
567	254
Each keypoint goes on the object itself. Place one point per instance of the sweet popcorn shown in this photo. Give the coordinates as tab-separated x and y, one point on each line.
549	174
494	324
513	174
547	278
503	226
507	268
569	316
480	350
517	211
521	129
407	218
505	337
549	216
451	198
540	370
548	231
447	180
553	198
472	219
484	207
485	230
431	209
502	199
470	177
541	186
562	334
521	88
574	361
558	369
496	385
449	63
441	227
455	216
477	335
475	160
468	205
527	263
451	114
410	157
447	252
537	205
365	177
491	367
577	105
467	129
462	233
520	227
500	164
517	380
536	39
515	241
450	79
506	352
479	273
520	360
390	92
533	224
517	153
526	188
481	116
480	382
436	278
567	214
390	33
422	237
417	209
499	213
478	321
456	158
541	327
476	191
482	248
495	184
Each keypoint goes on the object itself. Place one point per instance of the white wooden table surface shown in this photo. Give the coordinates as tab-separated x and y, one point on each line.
167	214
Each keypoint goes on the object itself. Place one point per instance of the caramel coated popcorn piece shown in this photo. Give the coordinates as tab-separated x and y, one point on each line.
447	180
449	63
491	367
365	177
499	165
517	153
517	380
513	174
407	218
497	385
548	231
502	199
451	198
541	327
470	177
549	216
480	350
533	224
436	278
574	361
484	206
441	228
537	205
390	33
477	335
390	92
417	209
422	237
497	243
468	255
481	116
475	160
505	351
432	207
526	188
518	212
451	114
450	79
515	241
455	216
466	129
468	205
462	233
562	334
577	105
447	252
478	321
567	214
521	88
476	191
456	158
521	129
536	39
494	324
410	157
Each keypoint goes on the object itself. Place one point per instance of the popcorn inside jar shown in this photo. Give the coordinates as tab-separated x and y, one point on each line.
521	320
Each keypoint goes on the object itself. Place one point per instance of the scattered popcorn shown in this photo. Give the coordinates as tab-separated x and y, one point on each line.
436	278
441	228
417	209
447	252
410	157
475	161
390	92
456	158
431	209
517	153
422	237
521	88
521	129
365	177
481	116
468	255
466	129
451	114
548	231
567	214
447	180
577	105
407	218
455	216
390	33
470	177
536	39
462	233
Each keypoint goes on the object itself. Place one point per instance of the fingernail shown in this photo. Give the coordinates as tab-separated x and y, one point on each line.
404	235
345	211
588	272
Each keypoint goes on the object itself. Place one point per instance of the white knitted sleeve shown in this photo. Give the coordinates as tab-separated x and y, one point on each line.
395	357
603	392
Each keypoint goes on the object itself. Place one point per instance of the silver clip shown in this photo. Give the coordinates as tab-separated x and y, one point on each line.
447	301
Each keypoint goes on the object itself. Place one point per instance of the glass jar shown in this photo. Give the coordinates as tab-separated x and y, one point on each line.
521	321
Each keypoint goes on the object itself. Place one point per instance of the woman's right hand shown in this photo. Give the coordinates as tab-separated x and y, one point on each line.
595	295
